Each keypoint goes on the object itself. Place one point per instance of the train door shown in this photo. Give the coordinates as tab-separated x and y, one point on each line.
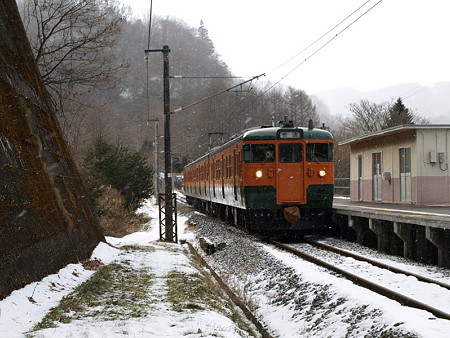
290	182
405	174
376	176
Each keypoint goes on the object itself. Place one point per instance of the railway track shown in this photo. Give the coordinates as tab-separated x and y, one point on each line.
364	282
388	292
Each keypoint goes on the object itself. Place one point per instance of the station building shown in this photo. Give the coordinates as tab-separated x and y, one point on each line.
404	164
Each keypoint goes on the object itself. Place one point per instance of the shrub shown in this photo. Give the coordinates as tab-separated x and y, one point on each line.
118	167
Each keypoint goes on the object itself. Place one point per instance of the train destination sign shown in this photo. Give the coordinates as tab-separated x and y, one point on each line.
290	134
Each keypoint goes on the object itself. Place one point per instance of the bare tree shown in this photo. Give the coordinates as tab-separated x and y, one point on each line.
367	116
71	41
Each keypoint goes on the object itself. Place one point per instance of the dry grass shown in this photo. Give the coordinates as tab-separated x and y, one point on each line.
115	292
118	221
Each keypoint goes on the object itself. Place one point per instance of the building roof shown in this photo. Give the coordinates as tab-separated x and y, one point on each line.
392	131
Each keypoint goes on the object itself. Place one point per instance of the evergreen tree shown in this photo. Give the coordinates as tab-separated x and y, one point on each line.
398	115
202	31
117	167
203	35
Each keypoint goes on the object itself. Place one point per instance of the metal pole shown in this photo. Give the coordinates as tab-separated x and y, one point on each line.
167	151
155	162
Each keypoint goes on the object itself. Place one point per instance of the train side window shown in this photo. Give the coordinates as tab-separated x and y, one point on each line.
256	153
319	152
290	153
247	153
238	164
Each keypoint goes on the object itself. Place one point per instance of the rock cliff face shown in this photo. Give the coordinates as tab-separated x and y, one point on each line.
45	218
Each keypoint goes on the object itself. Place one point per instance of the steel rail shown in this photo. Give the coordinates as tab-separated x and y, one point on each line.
375	263
402	299
239	302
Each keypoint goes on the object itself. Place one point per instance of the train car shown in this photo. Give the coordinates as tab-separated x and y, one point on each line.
268	179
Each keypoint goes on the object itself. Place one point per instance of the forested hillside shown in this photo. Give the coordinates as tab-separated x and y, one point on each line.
124	90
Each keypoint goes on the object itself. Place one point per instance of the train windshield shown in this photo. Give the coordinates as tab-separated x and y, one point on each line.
319	152
255	153
290	152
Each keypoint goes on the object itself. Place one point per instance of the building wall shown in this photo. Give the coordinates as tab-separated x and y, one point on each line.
433	179
430	178
389	147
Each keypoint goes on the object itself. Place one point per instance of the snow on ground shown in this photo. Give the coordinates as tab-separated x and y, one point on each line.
409	319
293	298
25	307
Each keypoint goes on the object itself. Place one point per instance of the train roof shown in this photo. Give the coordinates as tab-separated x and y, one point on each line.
270	133
280	133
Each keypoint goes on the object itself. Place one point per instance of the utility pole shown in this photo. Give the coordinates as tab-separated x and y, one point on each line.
167	151
170	226
155	160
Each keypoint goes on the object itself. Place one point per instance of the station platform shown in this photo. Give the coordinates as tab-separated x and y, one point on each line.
432	216
421	233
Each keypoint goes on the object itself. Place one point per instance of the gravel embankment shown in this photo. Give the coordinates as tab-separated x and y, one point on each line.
297	299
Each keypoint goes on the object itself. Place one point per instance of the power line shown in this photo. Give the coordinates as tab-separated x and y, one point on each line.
146	58
321	47
416	90
321	37
150	24
316	51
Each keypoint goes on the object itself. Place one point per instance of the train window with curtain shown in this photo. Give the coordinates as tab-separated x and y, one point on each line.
257	153
319	152
290	153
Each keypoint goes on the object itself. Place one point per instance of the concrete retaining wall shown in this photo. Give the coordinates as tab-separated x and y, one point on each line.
45	218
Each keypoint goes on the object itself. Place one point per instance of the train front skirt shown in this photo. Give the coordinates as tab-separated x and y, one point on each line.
289	219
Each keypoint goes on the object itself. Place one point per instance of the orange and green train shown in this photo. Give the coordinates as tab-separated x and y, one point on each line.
268	179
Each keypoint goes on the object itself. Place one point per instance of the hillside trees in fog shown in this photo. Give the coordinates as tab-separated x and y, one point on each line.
301	108
104	86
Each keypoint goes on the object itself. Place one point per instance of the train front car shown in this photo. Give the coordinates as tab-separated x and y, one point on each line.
288	179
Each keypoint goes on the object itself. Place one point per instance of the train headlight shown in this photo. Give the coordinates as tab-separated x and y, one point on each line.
322	173
258	174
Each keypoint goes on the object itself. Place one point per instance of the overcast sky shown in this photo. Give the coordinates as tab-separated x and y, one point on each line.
398	41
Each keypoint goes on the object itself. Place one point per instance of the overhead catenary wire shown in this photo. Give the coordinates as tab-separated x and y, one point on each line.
217	94
248	91
207	77
241	102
